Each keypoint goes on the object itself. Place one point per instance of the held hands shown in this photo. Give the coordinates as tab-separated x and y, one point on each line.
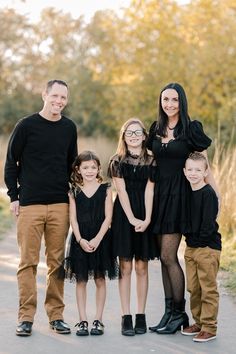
15	208
135	222
85	245
94	243
89	246
141	227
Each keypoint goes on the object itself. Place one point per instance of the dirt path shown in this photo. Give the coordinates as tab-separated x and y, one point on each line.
43	340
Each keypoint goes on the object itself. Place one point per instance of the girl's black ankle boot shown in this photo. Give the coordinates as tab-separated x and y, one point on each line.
178	319
127	326
140	323
166	317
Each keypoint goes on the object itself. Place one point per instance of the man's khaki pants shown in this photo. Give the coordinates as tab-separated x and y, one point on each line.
52	220
202	265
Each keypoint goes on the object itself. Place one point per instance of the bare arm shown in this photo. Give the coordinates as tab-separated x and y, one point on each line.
106	223
149	192
75	227
119	184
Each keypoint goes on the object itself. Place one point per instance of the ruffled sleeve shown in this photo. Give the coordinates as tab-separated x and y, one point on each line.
197	139
151	135
74	191
114	167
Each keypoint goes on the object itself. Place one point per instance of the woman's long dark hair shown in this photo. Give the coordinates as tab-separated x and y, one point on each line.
181	128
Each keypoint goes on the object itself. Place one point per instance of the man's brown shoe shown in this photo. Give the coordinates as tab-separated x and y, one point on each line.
191	330
204	337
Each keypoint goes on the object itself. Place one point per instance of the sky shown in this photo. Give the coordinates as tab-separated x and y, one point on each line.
76	8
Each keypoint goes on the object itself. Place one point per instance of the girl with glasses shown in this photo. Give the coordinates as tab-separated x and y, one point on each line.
130	169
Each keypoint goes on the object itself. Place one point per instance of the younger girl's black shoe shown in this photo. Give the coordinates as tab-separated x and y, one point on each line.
97	328
83	328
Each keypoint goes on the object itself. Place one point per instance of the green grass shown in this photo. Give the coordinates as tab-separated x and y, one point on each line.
6	219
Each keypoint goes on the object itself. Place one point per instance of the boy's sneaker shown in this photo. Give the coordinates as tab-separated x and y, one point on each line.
204	337
97	328
191	330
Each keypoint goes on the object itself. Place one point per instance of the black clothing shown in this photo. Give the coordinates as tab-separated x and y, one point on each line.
39	158
172	190
126	242
203	212
81	265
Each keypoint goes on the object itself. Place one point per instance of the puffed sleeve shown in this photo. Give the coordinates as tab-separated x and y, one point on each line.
197	139
151	135
115	167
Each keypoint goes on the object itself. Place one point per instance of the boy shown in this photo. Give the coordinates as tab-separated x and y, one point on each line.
202	254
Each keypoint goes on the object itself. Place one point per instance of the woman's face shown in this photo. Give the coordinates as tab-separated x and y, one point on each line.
170	103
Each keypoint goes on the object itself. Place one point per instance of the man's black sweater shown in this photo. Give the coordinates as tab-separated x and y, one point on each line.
204	209
39	158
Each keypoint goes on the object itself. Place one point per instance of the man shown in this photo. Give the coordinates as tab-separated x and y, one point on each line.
40	153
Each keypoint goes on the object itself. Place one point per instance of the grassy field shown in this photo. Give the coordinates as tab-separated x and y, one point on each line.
223	166
6	219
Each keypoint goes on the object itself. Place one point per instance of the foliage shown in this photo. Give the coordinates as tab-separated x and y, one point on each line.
116	65
6	219
224	166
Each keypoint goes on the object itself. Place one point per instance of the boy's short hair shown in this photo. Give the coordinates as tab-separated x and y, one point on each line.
197	156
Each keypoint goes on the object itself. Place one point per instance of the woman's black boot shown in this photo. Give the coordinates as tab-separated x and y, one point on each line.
140	323
179	318
165	318
127	326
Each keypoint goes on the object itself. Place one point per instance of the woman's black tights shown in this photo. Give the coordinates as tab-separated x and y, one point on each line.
172	273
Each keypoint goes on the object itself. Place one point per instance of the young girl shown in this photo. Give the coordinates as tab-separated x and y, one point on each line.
130	171
90	249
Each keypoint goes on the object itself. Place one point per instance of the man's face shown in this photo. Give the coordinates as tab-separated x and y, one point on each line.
55	99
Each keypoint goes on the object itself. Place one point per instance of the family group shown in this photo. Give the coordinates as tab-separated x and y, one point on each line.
164	189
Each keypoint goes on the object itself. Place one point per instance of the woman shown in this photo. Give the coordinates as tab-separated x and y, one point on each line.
171	139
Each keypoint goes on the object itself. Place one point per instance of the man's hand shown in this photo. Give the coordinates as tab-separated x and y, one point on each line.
15	208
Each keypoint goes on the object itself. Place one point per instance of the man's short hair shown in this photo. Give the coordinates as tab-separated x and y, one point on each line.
55	81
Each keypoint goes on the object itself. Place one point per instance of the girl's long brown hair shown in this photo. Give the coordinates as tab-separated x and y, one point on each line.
87	155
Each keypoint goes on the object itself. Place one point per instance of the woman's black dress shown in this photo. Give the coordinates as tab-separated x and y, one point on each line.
172	190
128	244
81	265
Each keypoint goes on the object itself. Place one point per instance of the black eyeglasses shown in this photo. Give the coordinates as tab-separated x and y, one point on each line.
129	133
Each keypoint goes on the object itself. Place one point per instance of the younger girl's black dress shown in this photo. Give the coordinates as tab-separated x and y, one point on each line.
172	189
81	265
128	244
